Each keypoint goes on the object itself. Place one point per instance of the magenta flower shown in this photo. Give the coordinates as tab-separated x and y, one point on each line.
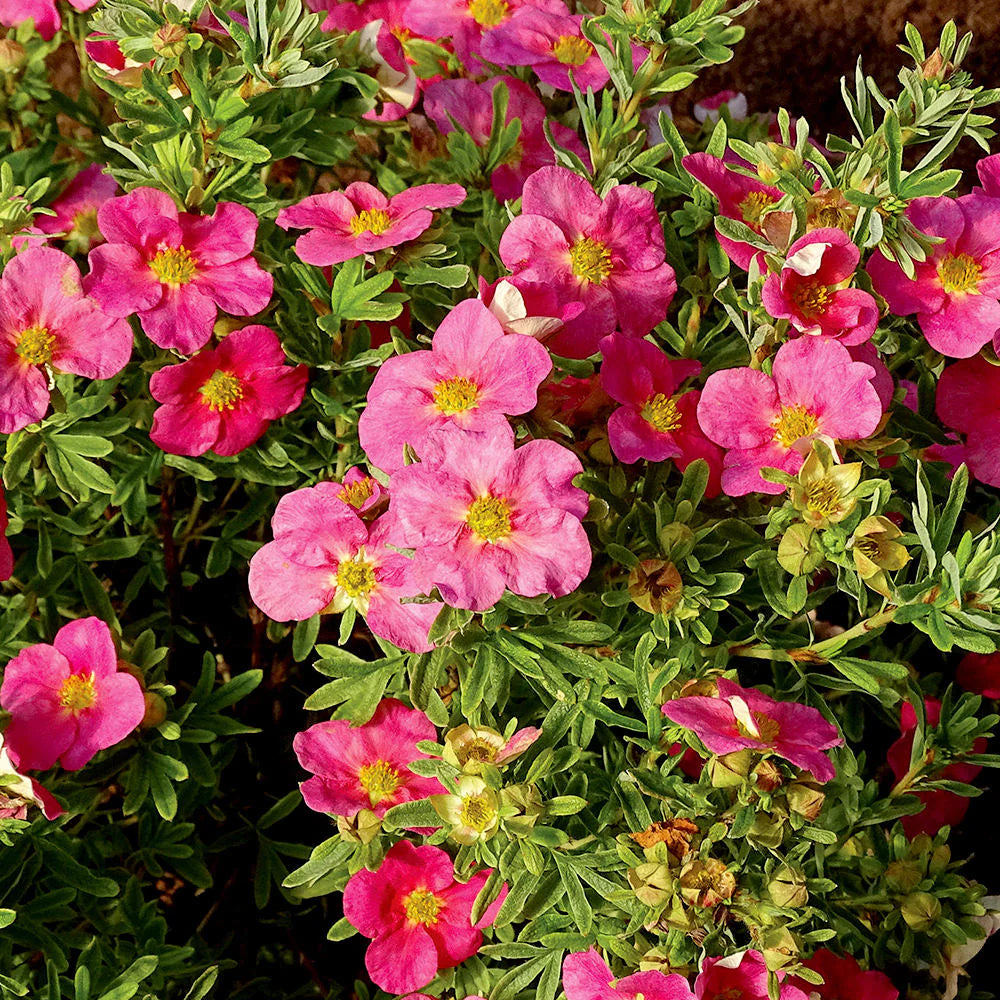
367	766
361	220
743	976
608	254
76	208
988	169
740	196
324	558
470	104
967	401
484	516
810	290
398	85
532	308
48	324
551	43
67	701
955	292
980	673
360	491
107	54
19	793
174	269
655	421
473	375
743	718
817	391
6	553
844	980
417	915
224	398
44	13
586	976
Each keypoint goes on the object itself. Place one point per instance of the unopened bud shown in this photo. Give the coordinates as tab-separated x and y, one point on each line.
652	883
156	710
920	910
362	828
788	888
805	799
170	40
768	775
730	770
13	56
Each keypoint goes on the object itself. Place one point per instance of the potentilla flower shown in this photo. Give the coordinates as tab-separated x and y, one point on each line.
471	747
47	324
816	391
980	673
76	208
534	309
810	290
361	220
552	43
324	558
967	401
19	793
843	979
472	810
473	376
417	915
69	700
175	269
44	13
6	553
360	491
367	766
955	291
398	84
743	718
606	253
224	398
470	106
484	517
107	54
586	976
740	196
655	421
743	976
708	109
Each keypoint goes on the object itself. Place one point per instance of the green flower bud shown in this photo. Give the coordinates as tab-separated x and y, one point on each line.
920	910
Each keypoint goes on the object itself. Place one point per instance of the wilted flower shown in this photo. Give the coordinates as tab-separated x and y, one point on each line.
822	491
787	888
470	747
19	793
472	810
876	552
655	585
799	551
76	208
706	882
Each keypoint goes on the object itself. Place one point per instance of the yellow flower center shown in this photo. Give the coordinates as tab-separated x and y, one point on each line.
355	494
422	906
356	577
811	298
767	728
661	411
959	273
477	812
489	518
372	220
85	223
174	266
867	546
379	780
488	13
222	391
794	422
823	496
480	750
590	260
572	50
753	205
454	395
34	346
830	217
78	692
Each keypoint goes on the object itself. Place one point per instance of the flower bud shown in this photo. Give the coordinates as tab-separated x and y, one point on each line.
767	831
361	829
904	876
652	883
799	551
13	56
156	710
768	776
170	40
920	910
706	883
788	888
779	947
730	770
804	799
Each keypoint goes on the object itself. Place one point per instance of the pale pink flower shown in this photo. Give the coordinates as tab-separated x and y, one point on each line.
19	793
843	979
586	976
69	700
77	206
360	491
742	976
44	13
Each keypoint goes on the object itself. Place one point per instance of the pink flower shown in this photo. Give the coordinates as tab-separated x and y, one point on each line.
367	766
586	976
967	401
988	169
743	718
551	43
955	292
107	54
6	553
734	101
484	516
19	793
654	422
534	309
324	558
606	253
470	104
360	491
817	390
740	196
224	398
398	84
174	269
417	915
76	208
69	700
473	375
43	12
361	220
844	980
810	290
742	976
47	323
980	673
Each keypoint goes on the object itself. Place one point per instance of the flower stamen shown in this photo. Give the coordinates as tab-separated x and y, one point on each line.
174	265
222	391
661	412
422	907
379	779
455	395
793	423
590	260
959	273
34	346
372	220
78	692
571	50
488	13
489	518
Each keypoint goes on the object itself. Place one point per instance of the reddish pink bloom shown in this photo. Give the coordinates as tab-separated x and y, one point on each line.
417	915
367	766
348	15
224	398
47	323
69	700
471	378
967	400
742	976
6	553
174	269
740	196
586	976
43	12
691	763
470	105
534	309
107	54
606	253
655	421
980	673
324	558
360	491
734	101
988	169
955	292
810	290
844	980
19	793
817	391
743	718
76	208
361	220
484	517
